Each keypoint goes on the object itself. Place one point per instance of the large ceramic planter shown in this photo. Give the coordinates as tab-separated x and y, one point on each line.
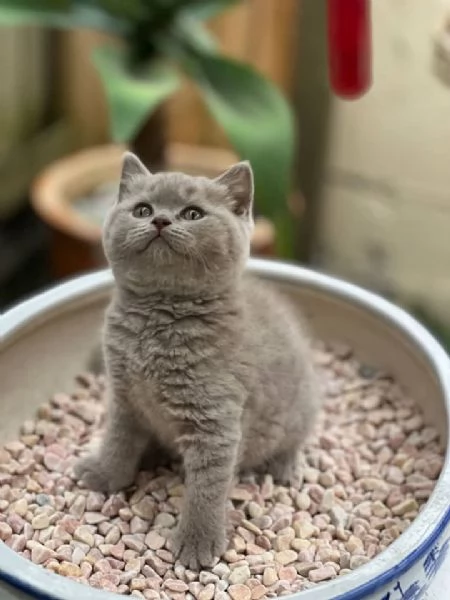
46	341
62	197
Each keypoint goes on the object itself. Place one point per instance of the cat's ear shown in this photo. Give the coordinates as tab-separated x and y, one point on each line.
238	180
131	167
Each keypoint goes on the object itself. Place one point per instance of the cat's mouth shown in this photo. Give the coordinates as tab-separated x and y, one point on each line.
156	236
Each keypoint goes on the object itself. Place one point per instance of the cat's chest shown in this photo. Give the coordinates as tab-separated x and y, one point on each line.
154	349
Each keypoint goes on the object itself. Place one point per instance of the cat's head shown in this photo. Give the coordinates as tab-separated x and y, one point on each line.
173	230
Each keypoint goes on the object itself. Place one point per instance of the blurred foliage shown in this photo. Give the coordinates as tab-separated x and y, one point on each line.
160	40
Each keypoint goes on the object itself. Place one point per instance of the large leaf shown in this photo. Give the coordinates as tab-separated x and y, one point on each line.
132	97
62	14
256	119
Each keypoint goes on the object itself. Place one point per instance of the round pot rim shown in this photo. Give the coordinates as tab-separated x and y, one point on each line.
402	554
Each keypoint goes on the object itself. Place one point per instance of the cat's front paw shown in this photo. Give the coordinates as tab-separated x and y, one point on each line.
101	477
196	548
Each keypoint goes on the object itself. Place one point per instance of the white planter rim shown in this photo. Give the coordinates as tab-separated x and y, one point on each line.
386	567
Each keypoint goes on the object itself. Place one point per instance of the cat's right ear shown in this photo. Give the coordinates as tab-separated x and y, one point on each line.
131	167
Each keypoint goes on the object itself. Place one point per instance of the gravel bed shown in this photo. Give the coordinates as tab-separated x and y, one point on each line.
368	471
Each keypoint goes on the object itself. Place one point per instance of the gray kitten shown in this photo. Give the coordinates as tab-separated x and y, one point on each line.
203	362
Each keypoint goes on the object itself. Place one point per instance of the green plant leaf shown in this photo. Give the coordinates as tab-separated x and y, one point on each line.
62	14
257	120
132	97
37	4
128	9
188	31
206	9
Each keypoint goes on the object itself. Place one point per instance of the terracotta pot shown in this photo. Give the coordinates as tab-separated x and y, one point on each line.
76	238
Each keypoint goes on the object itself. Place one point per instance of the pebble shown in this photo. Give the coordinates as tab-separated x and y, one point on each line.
95	501
83	534
94	518
255	510
406	506
270	576
302	501
39	552
134	542
339	517
305	530
78	506
69	569
5	531
304	568
206	577
20	507
287	574
175	585
42	499
221	570
239	592
113	535
239	575
258	592
321	574
40	521
286	557
366	474
145	508
164	520
284	539
138	525
207	593
154	540
395	475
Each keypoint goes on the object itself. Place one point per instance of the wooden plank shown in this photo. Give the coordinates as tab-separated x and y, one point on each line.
80	91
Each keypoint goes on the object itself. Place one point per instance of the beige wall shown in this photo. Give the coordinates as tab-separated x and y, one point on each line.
386	215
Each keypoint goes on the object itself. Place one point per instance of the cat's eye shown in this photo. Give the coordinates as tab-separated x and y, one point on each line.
142	210
192	213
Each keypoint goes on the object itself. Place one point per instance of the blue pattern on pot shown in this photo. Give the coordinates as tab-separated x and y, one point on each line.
424	588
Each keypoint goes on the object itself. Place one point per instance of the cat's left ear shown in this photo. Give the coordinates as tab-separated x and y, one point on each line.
238	180
131	167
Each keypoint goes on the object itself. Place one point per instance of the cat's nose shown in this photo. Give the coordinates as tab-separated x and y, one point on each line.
161	222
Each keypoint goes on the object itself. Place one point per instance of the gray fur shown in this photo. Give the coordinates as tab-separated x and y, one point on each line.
203	362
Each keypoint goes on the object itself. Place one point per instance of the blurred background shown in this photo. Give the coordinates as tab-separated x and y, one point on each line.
358	188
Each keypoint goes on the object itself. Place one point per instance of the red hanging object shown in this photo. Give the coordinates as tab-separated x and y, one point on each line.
349	47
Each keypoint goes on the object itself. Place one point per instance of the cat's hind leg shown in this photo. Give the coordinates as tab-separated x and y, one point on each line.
285	468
